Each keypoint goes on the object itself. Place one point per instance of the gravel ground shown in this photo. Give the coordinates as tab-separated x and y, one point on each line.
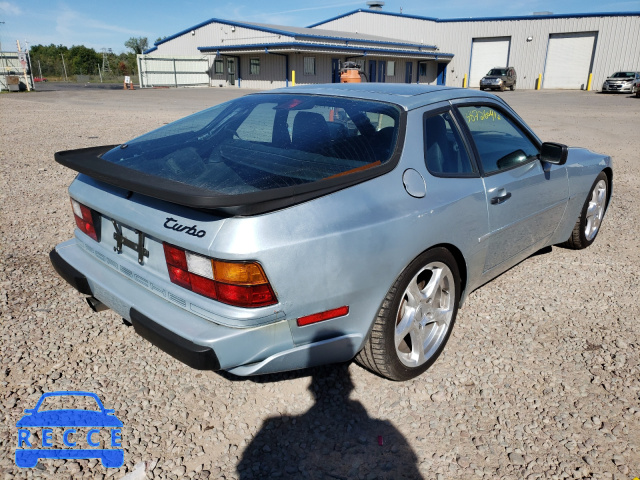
540	378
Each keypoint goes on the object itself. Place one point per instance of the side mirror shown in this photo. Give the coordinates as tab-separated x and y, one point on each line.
555	153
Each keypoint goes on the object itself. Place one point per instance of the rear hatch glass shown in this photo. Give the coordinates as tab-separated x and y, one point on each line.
267	141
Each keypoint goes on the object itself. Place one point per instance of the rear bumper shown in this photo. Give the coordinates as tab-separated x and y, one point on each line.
68	273
191	339
192	354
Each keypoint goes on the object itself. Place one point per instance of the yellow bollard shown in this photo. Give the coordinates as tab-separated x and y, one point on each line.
293	78
589	81
464	81
539	85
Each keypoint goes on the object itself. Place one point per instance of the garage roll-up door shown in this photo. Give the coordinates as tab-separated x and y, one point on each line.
569	58
487	53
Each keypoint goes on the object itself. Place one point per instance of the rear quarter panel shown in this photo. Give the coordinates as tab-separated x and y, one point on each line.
349	247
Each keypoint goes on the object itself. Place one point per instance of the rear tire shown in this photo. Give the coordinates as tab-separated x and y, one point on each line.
588	225
415	319
513	87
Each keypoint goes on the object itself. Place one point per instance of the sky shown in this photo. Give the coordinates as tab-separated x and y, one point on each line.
109	24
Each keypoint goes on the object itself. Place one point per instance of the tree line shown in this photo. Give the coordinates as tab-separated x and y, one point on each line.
80	60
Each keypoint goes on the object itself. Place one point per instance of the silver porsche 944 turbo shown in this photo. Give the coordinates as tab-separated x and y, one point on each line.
315	224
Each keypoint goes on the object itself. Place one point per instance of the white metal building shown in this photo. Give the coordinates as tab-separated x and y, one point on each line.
562	49
253	55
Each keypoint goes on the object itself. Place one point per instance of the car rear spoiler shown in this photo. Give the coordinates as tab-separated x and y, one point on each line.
89	162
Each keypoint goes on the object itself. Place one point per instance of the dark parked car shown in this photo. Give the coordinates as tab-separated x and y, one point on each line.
499	78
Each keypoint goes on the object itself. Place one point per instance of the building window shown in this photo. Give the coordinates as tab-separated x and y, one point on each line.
391	69
422	69
309	65
218	66
254	66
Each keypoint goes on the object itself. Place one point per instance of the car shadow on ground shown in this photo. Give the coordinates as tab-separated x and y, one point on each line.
335	438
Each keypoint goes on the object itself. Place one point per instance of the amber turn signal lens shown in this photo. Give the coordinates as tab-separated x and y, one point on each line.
238	273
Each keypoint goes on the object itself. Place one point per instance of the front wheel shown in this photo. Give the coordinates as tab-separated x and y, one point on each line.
416	318
588	225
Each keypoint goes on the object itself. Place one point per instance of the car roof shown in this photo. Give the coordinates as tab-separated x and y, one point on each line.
408	96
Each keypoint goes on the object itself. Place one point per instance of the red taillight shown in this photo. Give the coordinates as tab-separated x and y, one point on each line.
203	286
320	317
179	276
84	219
175	256
242	284
245	296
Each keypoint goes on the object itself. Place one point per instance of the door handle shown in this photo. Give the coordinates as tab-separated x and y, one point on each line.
501	199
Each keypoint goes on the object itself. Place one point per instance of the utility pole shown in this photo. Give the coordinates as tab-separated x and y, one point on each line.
66	79
24	66
26	49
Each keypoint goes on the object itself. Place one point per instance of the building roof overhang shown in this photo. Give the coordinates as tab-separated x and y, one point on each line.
329	49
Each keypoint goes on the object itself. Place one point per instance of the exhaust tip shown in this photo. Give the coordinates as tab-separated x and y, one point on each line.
96	305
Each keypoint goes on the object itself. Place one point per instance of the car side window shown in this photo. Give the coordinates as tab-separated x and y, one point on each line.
445	153
500	143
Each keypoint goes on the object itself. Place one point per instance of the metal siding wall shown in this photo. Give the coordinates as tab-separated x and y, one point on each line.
617	48
272	70
323	68
263	84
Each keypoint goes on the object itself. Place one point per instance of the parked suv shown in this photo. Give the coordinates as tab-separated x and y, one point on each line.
499	78
620	82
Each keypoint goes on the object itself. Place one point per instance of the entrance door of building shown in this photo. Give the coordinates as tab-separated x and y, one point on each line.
441	79
408	75
372	70
382	71
231	71
335	70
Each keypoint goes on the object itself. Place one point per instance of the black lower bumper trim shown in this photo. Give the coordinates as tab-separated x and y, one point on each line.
192	354
70	274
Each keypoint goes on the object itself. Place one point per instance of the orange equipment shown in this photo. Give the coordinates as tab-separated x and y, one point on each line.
350	76
350	73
